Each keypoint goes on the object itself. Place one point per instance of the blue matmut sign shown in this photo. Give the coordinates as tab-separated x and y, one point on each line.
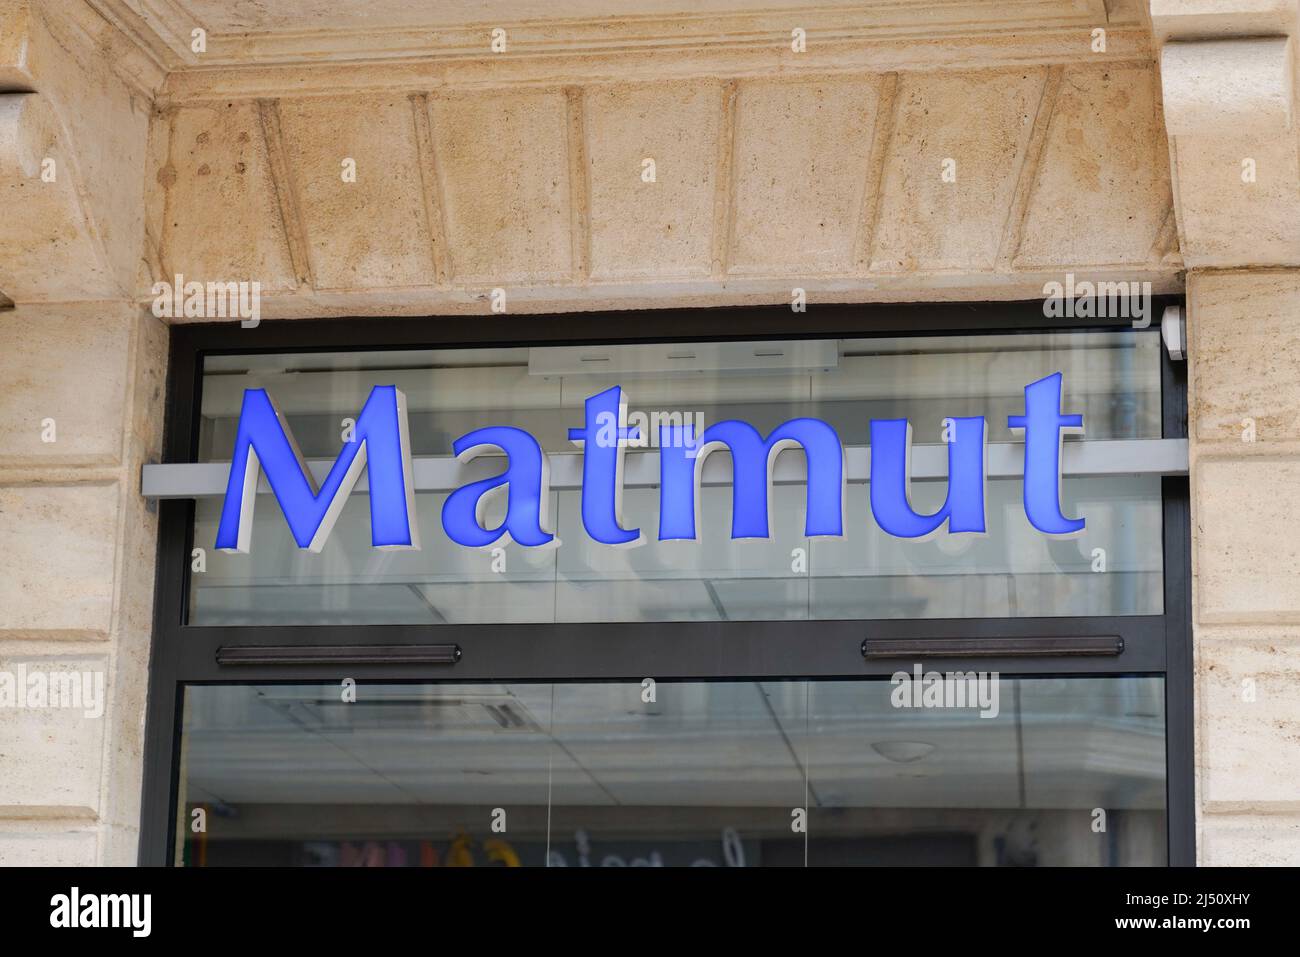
380	445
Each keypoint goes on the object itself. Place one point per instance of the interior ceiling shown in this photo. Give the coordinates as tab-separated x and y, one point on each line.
1081	745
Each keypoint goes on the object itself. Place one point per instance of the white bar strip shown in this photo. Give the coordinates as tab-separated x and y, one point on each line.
929	463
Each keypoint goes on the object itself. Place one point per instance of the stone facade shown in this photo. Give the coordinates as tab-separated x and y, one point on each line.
1229	80
931	151
76	573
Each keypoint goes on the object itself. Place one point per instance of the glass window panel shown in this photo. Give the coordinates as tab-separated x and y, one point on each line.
1112	378
705	775
710	773
1019	787
405	775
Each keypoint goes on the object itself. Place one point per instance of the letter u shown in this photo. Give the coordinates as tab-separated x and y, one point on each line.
891	478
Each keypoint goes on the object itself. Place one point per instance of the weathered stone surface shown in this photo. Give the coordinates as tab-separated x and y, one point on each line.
51	755
539	191
1244	841
372	232
1249	717
73	127
1245	357
1229	99
147	396
503	159
1101	195
800	167
81	68
70	364
222	217
927	222
1243	379
1245	569
15	44
1208	18
1229	220
73	570
59	561
133	622
664	228
23	846
1234	144
49	249
1230	86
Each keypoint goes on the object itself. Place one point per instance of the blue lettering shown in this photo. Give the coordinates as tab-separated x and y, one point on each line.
681	462
380	445
603	441
1044	427
891	455
526	480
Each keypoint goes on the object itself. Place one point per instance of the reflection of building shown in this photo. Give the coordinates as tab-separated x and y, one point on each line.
706	776
961	158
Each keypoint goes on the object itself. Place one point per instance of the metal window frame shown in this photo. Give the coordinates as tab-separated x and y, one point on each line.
182	654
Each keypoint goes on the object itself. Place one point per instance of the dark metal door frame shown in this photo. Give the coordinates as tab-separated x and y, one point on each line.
184	654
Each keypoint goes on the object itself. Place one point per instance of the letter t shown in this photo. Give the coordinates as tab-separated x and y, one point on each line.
604	440
1044	425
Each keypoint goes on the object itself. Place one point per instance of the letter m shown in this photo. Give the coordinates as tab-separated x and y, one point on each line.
753	457
380	445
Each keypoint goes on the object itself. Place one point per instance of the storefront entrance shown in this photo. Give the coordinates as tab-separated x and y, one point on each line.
994	697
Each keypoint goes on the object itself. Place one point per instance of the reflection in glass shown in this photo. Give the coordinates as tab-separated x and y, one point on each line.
1113	378
704	773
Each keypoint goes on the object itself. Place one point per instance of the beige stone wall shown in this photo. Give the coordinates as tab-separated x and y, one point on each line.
1245	431
832	183
76	571
81	387
1229	78
822	169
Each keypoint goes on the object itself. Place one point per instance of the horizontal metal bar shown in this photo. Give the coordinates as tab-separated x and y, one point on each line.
641	470
442	654
569	651
1054	646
